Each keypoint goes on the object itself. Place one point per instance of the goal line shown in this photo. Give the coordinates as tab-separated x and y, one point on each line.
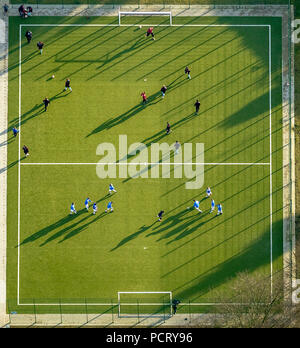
124	13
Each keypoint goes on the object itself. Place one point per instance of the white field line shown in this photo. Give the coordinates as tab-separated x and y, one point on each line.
134	304
148	163
270	160
126	25
19	166
145	292
137	25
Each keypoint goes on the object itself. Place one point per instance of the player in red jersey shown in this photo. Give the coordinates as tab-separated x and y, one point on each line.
143	94
150	32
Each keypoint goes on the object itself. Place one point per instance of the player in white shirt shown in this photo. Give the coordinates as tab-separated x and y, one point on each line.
73	210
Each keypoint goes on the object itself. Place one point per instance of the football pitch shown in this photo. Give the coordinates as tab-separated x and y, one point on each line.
55	258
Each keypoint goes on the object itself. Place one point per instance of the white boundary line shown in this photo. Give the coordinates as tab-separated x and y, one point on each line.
19	166
271	187
147	163
132	304
117	25
137	25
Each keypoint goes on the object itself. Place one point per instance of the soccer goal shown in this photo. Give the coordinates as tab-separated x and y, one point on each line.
144	304
144	14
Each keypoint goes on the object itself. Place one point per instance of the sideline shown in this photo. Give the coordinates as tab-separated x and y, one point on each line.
3	158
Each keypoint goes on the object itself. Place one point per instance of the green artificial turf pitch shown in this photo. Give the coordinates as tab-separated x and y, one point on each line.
54	257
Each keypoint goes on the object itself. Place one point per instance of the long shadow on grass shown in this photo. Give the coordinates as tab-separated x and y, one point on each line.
174	45
112	122
8	141
35	111
250	258
129	238
189	229
176	224
155	138
64	230
83	227
31	55
12	164
159	37
46	230
189	52
202	95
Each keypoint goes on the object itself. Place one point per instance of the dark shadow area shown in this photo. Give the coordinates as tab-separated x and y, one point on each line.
12	164
127	239
83	227
8	141
112	122
255	255
46	230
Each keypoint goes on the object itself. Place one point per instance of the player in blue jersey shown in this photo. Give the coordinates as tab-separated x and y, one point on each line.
220	209
212	207
109	207
95	208
111	188
73	210
208	192
15	131
86	203
196	205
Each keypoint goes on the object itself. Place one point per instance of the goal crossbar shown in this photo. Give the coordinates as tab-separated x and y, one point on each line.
126	13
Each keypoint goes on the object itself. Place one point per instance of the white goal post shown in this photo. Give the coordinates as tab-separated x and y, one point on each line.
122	13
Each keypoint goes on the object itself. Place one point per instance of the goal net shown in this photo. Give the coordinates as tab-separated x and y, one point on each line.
144	304
145	18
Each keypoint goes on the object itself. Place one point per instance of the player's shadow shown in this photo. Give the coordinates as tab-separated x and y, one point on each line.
79	229
137	44
35	111
8	141
25	117
61	94
64	230
172	221
12	164
125	116
184	231
66	219
133	236
44	231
